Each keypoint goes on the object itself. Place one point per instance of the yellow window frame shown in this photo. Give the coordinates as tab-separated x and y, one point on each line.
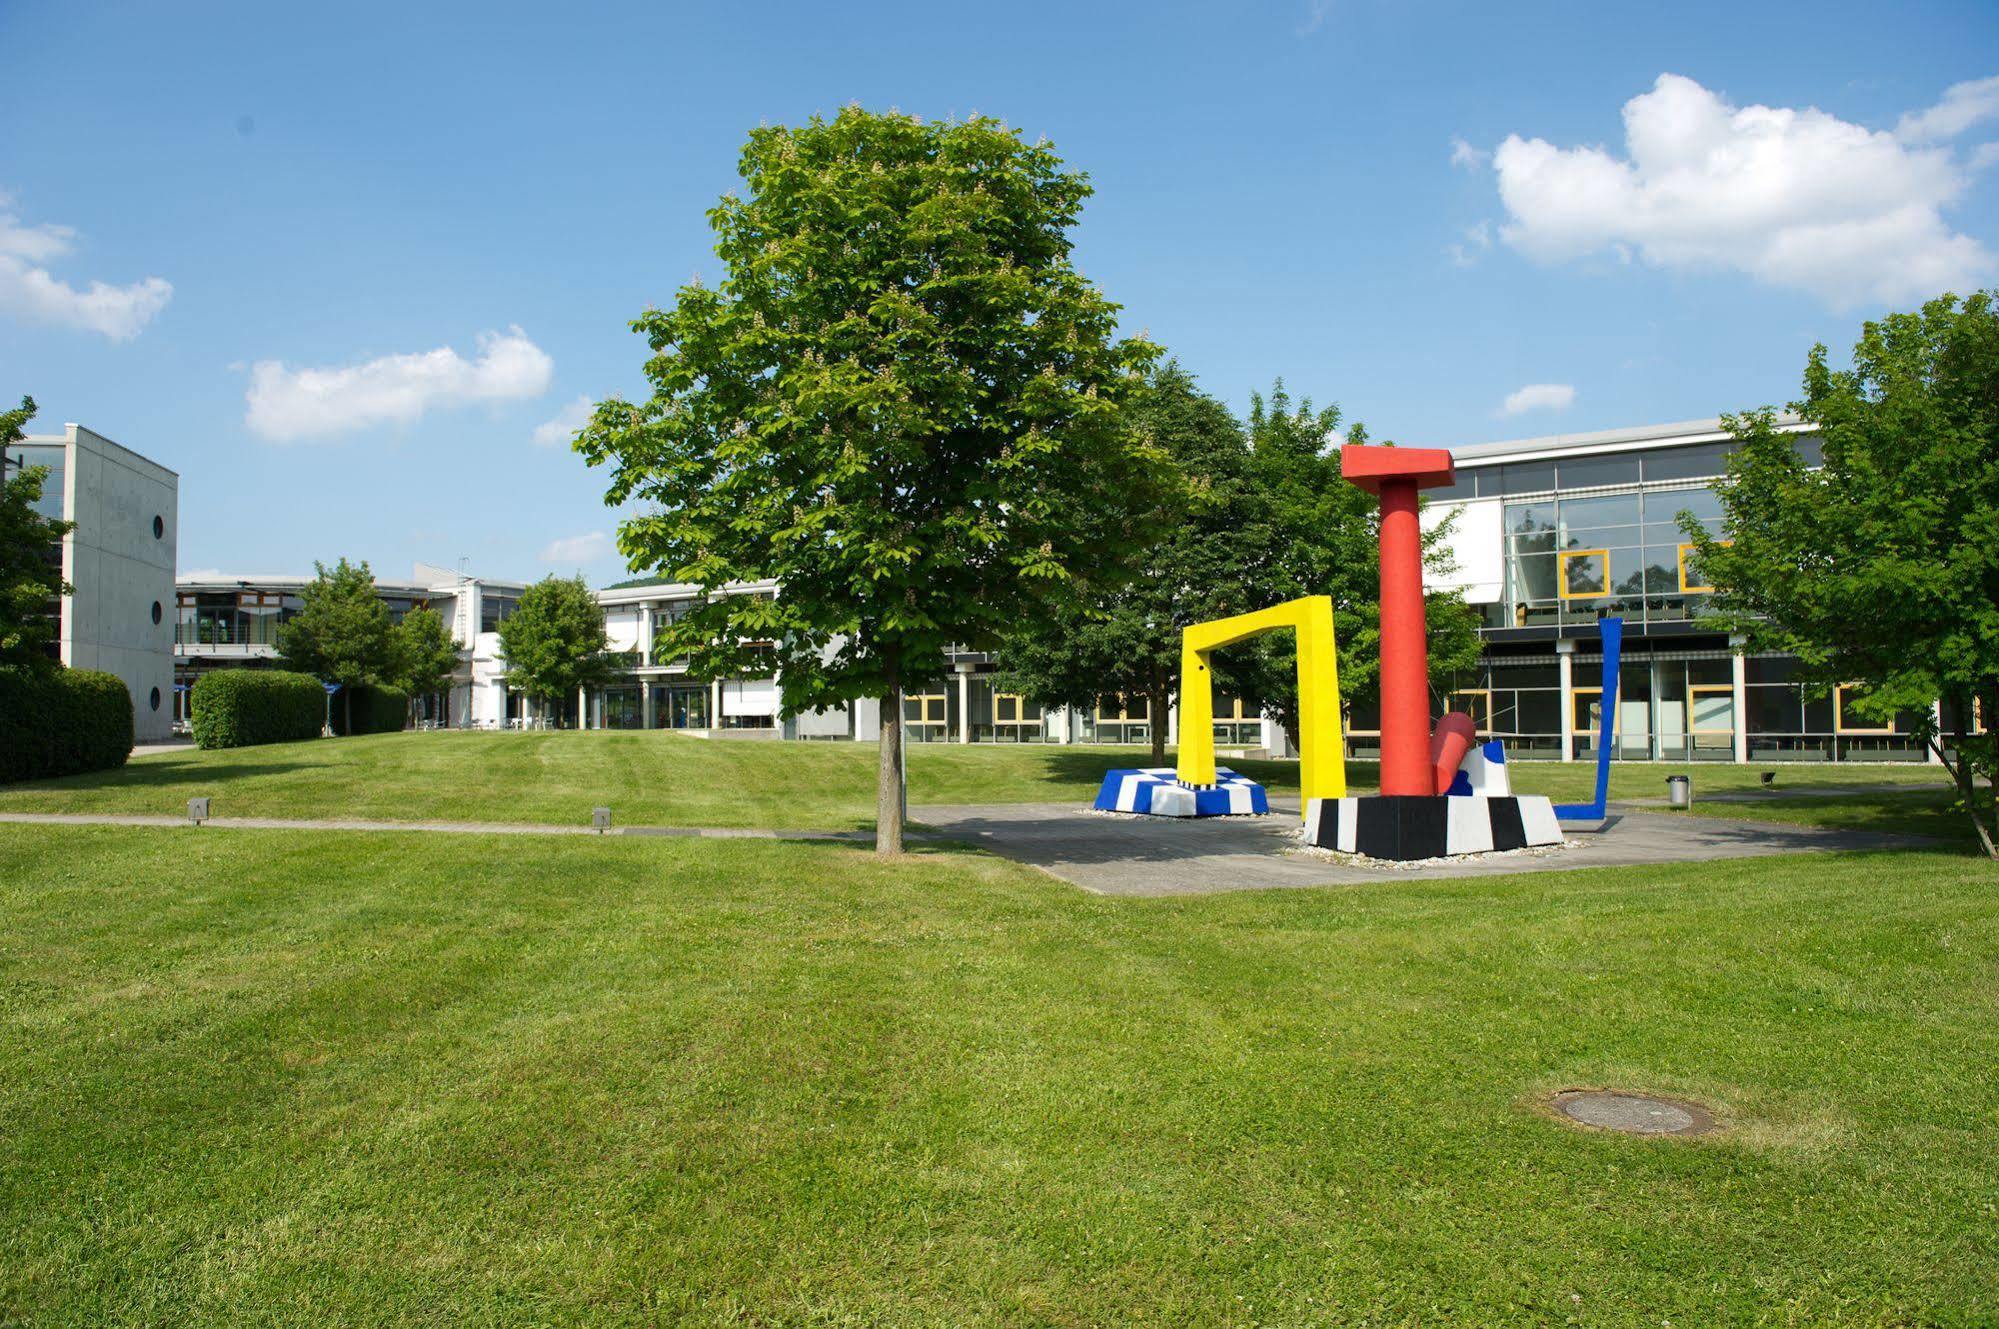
1481	714
1562	573
1725	689
1839	725
923	700
1687	588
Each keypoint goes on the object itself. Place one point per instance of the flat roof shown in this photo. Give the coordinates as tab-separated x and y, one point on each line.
259	581
1681	433
72	430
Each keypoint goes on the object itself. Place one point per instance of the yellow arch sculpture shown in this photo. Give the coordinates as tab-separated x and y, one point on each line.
1321	755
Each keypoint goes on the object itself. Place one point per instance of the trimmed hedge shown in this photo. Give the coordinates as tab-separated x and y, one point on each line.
62	722
237	708
377	710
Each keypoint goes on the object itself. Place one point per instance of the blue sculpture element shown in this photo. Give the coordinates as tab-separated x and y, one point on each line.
1482	774
1612	630
1159	793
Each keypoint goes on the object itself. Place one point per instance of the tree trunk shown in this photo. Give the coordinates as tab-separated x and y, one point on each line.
1156	703
889	776
1966	780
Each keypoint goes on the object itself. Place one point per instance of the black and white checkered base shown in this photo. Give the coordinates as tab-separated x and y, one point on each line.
1401	828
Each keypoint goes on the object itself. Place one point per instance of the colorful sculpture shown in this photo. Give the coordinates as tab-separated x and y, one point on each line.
1612	632
1416	815
1196	787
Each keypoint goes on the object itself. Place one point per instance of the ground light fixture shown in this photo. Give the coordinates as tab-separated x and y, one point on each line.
197	811
600	819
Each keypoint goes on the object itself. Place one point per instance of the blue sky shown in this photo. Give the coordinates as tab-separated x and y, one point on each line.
353	258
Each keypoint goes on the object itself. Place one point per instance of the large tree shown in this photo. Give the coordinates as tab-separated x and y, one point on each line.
422	655
555	642
1211	561
902	402
1325	540
341	631
30	580
1881	568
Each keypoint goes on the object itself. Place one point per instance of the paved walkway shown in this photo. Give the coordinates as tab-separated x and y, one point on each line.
1152	856
1114	855
434	827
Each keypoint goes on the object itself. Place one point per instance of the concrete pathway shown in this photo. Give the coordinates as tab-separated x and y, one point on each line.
433	827
1150	856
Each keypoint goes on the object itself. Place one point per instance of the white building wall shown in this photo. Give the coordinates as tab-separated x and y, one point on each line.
122	572
1477	543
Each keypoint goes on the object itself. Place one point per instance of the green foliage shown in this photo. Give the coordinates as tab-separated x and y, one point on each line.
373	709
234	708
422	655
903	403
1882	567
555	640
29	581
1211	561
56	721
341	632
1323	538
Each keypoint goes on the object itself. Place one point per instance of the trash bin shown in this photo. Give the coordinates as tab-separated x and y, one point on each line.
1680	791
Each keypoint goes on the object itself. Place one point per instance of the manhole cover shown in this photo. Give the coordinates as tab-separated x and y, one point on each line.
1633	1114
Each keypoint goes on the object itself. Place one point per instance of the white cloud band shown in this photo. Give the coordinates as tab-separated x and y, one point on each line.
285	404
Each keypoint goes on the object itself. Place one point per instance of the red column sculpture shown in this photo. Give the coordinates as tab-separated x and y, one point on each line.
1394	475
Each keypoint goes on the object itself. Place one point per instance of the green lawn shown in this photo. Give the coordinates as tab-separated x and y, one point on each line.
668	779
260	1077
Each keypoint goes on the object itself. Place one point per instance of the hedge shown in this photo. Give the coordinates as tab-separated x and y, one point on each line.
62	722
377	710
237	708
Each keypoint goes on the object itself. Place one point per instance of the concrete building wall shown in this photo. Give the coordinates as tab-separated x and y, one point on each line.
120	560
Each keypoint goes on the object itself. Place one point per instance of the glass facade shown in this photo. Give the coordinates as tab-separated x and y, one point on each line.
1571	560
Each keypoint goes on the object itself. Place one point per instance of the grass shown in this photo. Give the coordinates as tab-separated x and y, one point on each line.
668	779
261	1077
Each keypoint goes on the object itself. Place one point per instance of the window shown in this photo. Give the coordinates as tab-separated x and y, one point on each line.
1692	580
159	532
156	612
925	708
1846	720
1686	463
155	699
1585	573
1475	702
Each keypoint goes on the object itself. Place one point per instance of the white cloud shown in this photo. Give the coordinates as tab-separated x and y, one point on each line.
1795	198
1962	106
1477	239
1466	157
286	403
1539	397
560	428
1984	155
30	291
579	548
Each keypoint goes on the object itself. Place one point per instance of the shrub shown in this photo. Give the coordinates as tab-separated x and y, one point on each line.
62	722
236	708
377	709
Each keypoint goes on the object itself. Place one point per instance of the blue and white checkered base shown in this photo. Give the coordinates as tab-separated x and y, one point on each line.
1159	793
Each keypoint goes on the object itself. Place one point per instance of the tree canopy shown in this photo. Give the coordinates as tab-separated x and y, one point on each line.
555	641
30	581
1123	640
341	631
902	402
1881	567
422	654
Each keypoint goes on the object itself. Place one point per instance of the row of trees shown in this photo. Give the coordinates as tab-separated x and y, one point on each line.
554	642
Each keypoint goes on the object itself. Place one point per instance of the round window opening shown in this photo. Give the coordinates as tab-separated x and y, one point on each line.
156	699
156	611
159	527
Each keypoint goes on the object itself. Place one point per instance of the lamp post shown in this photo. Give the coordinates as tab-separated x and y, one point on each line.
1394	475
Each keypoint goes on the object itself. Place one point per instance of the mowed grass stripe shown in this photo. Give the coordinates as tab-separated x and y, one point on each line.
296	1078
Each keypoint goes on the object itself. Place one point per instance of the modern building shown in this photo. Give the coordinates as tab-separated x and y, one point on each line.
1551	534
226	621
118	561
